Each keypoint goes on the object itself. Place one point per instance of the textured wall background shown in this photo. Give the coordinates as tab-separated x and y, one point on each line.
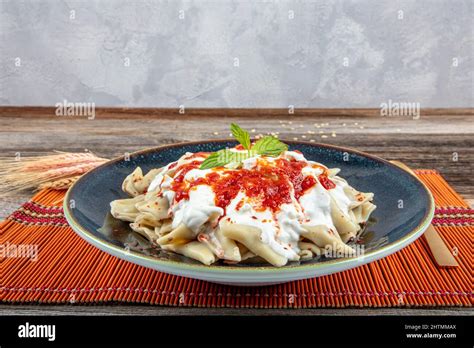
237	53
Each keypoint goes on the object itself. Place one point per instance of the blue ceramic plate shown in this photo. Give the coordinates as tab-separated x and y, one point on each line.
404	210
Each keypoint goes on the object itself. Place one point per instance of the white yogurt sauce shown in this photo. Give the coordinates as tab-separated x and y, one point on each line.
195	211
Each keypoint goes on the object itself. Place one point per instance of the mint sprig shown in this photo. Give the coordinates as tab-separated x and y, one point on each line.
241	135
267	146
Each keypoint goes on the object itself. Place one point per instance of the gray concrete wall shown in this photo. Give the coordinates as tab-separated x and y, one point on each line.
237	53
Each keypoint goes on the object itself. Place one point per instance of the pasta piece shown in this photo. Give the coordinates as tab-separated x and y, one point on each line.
157	207
180	235
245	253
246	256
148	219
357	198
125	209
362	213
356	214
135	184
166	227
325	238
348	224
305	254
152	194
230	248
345	226
313	248
212	244
250	237
194	250
149	232
146	225
367	210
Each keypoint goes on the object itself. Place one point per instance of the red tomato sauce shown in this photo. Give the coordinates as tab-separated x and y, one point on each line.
270	185
178	185
326	182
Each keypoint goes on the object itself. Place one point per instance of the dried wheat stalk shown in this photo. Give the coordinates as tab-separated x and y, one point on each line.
29	173
61	184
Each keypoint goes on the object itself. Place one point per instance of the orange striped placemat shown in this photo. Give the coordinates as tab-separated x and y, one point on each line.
68	269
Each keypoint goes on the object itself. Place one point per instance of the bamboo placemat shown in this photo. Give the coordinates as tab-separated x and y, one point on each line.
69	270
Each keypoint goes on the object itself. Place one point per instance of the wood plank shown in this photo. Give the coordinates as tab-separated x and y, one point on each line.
124	112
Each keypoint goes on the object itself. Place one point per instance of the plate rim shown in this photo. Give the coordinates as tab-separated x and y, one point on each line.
132	255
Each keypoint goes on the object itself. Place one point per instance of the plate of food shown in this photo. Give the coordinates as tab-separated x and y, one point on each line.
243	212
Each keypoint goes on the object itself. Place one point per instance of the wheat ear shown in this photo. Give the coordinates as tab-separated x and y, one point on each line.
36	172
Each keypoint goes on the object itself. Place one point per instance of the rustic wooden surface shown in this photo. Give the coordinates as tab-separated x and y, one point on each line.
433	141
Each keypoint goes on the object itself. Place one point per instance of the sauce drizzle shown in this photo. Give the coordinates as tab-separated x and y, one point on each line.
270	184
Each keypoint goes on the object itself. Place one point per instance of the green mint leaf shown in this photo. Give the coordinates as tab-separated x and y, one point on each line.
219	159
211	161
225	156
269	146
241	135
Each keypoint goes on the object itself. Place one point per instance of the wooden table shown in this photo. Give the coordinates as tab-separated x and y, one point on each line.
442	139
